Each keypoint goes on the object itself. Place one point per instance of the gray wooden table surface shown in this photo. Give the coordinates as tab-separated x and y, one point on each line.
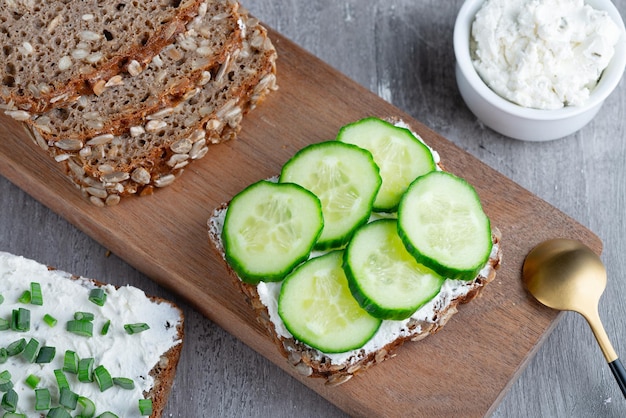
402	51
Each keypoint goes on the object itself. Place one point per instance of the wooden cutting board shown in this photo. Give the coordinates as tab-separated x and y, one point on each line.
464	370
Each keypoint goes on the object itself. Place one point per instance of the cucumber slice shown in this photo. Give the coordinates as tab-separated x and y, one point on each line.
400	156
270	228
318	309
345	179
383	277
442	224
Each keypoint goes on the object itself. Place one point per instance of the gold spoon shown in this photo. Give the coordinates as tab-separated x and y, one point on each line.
567	275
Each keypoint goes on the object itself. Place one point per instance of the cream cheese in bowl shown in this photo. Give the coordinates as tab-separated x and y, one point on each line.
560	74
542	54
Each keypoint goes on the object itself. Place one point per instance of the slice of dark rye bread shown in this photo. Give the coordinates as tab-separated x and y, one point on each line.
311	362
197	56
164	370
151	155
53	51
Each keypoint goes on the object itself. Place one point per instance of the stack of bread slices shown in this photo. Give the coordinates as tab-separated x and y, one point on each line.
125	94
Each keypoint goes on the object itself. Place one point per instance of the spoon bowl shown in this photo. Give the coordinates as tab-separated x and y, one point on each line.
567	275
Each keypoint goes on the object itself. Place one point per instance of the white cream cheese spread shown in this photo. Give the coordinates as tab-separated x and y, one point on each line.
543	54
122	354
389	330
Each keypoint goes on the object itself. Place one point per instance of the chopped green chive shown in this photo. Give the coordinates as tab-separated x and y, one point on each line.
42	399
103	378
13	415
50	320
46	354
145	406
80	327
136	328
20	319
5	324
36	297
105	327
68	398
16	347
124	382
61	379
6	386
98	296
70	362
84	316
30	351
9	400
58	412
85	370
107	414
88	407
4	355
5	381
25	297
33	381
1	299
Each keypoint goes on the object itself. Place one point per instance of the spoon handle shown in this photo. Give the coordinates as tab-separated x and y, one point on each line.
619	373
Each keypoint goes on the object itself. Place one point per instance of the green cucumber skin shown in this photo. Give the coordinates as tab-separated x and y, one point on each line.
328	257
244	274
443	270
369	304
440	268
345	131
333	243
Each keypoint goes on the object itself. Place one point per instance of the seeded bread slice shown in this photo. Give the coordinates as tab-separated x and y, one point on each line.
166	321
200	54
310	362
55	50
153	154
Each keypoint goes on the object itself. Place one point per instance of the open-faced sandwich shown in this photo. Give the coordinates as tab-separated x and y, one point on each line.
71	346
360	244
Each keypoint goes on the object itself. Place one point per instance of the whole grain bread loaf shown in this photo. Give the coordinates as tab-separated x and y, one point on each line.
152	154
200	54
311	362
53	51
166	333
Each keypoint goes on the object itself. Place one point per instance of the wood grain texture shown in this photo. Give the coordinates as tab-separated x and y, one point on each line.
401	51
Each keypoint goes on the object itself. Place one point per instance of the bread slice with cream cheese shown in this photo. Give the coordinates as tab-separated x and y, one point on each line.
149	358
337	368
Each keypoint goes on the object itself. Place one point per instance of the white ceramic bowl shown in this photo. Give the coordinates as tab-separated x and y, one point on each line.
523	123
